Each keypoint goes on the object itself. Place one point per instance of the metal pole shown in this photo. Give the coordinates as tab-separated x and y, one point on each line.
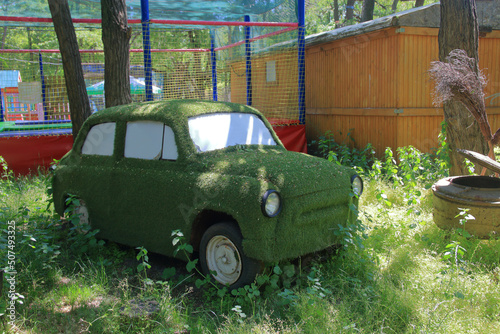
1	108
248	53
44	102
214	65
301	61
146	40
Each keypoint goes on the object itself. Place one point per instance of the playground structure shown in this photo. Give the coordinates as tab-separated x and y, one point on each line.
193	52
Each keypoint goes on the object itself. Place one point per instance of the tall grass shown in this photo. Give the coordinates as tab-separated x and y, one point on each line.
399	281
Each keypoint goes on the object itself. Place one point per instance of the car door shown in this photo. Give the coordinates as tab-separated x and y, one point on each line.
91	175
146	185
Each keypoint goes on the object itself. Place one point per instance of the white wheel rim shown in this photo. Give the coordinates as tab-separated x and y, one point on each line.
83	213
223	258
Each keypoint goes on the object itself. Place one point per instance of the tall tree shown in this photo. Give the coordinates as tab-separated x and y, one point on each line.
419	3
336	13
367	10
395	5
72	64
459	30
199	80
349	11
116	40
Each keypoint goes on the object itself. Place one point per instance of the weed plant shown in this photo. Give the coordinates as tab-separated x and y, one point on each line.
396	272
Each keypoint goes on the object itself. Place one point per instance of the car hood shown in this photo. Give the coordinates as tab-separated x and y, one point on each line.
291	173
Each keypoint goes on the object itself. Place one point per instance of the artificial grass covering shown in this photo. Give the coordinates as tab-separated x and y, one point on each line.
140	202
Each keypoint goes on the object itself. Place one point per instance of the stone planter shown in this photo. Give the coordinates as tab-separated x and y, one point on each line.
480	194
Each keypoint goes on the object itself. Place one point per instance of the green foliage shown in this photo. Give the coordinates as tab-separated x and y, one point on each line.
342	153
320	14
464	217
143	258
7	174
280	282
410	169
82	237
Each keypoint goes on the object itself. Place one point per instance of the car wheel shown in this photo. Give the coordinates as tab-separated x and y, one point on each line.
80	216
221	255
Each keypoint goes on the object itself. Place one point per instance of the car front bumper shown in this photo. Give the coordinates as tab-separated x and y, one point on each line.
307	224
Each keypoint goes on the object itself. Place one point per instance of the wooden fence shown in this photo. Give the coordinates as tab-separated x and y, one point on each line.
376	87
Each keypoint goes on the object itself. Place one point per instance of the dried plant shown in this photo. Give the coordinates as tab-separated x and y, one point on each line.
460	79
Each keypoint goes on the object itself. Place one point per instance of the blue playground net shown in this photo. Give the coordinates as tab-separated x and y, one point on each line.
199	49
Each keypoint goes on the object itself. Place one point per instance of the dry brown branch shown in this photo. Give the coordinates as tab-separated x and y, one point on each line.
460	79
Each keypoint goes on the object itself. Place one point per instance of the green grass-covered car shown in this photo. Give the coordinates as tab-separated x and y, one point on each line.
214	170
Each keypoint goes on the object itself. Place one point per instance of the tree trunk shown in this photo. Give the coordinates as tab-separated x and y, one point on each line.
4	36
336	14
459	30
116	41
72	64
349	13
367	11
199	74
30	46
419	3
395	5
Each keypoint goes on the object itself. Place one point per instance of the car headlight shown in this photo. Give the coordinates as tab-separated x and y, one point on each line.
357	185
271	203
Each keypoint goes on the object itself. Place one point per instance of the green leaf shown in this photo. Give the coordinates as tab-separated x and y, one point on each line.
189	249
191	265
222	292
289	270
168	273
261	279
176	240
199	283
277	270
177	233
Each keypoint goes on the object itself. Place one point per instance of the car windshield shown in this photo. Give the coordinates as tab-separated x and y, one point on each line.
219	130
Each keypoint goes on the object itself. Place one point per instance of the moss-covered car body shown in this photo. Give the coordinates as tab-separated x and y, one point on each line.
140	202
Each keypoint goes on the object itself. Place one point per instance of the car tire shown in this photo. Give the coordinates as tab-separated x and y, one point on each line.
82	222
221	252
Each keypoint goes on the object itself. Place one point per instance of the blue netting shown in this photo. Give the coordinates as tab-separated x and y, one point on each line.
193	10
181	60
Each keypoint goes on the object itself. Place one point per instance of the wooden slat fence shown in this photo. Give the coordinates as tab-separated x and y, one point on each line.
376	87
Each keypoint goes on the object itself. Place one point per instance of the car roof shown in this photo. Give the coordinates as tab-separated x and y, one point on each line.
170	111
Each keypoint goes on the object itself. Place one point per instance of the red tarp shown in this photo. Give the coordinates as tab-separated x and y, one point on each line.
24	154
293	137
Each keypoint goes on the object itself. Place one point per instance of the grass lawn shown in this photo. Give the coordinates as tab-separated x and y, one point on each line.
407	277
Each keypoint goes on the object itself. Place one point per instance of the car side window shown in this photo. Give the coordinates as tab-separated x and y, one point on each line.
100	140
169	146
150	140
144	140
